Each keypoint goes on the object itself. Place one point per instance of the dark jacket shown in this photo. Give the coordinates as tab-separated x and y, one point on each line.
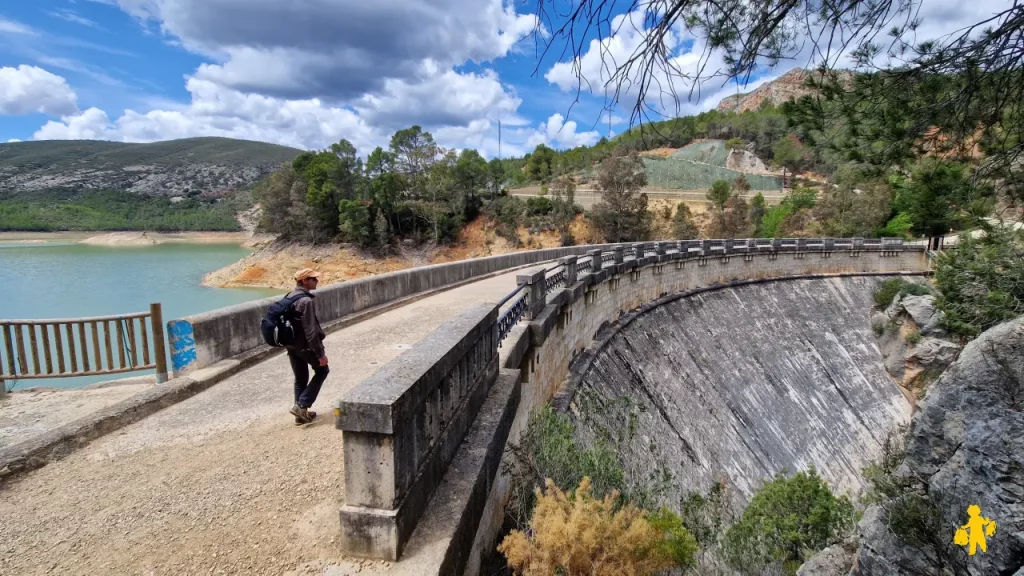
311	336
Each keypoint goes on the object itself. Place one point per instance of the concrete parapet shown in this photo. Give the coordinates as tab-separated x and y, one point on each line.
201	340
403	425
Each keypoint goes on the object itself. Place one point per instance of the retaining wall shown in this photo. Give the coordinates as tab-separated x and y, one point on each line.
561	323
201	340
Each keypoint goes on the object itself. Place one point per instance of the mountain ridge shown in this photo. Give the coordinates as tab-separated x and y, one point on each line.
187	167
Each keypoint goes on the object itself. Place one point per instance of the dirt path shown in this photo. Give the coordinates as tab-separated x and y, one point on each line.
222	483
30	412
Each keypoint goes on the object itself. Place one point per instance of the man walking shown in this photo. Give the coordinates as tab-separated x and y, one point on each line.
308	349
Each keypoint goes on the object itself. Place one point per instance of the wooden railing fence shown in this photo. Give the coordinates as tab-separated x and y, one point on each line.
67	347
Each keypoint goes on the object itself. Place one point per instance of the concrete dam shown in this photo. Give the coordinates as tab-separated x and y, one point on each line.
741	383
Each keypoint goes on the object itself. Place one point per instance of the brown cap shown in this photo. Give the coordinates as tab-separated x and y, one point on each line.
306	273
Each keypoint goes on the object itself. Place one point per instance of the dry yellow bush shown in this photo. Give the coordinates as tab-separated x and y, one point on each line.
582	535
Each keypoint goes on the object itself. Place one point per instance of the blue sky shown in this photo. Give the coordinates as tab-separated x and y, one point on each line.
306	74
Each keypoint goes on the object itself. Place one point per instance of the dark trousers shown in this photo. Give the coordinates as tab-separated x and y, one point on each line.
306	390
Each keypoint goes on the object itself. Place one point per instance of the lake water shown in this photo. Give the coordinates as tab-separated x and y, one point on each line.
70	280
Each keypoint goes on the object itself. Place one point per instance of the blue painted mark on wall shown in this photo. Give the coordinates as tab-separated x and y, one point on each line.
183	344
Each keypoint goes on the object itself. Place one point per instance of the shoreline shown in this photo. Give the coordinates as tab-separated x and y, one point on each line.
135	238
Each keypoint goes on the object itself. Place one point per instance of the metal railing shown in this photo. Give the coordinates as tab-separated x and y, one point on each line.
67	347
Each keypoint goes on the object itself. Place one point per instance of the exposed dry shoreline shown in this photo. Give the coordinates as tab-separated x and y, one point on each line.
135	238
273	263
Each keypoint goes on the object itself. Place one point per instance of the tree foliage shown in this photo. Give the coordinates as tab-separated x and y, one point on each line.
786	522
622	212
577	534
981	280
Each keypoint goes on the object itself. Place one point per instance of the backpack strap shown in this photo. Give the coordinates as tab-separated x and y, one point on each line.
291	300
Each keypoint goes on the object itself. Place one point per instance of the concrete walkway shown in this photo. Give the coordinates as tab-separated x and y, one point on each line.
221	483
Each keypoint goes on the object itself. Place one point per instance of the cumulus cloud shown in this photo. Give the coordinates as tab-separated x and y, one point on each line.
28	89
215	111
333	49
12	140
558	133
441	98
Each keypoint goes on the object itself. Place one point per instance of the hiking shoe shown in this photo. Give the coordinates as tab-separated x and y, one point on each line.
302	416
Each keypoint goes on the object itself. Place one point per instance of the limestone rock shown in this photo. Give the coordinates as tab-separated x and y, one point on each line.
932	354
967	446
836	560
923	312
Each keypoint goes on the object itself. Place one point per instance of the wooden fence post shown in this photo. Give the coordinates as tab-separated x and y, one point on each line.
156	318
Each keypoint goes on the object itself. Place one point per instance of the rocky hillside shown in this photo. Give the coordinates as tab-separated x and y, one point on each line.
204	167
789	86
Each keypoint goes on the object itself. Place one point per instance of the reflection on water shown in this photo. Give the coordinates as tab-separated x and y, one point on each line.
69	280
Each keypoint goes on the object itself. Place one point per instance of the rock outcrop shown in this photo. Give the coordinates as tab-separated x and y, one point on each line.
789	86
913	344
966	447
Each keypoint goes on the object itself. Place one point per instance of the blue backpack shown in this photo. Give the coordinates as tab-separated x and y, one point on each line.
277	326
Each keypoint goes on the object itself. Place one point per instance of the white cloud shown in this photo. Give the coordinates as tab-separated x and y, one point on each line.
441	97
215	111
12	27
558	133
12	140
28	89
73	17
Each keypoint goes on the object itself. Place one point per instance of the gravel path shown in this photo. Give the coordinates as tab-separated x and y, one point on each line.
222	483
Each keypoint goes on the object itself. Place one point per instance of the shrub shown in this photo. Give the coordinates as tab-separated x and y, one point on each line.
889	289
578	534
913	337
536	205
548	449
981	281
878	328
787	521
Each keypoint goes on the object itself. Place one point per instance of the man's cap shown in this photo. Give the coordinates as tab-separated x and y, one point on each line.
306	273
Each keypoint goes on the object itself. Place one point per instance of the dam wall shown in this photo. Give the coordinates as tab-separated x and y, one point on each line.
562	311
738	384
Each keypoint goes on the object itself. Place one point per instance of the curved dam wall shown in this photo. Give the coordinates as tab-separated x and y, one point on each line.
741	383
424	436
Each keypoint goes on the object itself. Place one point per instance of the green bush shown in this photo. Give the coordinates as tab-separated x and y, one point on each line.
878	328
981	281
889	289
549	449
537	205
786	522
913	337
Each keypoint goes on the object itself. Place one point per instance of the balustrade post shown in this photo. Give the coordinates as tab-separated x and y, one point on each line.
728	245
156	317
569	262
536	297
595	261
620	255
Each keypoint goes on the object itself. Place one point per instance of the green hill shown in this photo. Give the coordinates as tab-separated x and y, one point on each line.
187	167
189	184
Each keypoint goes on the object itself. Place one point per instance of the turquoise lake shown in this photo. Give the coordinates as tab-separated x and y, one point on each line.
70	280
